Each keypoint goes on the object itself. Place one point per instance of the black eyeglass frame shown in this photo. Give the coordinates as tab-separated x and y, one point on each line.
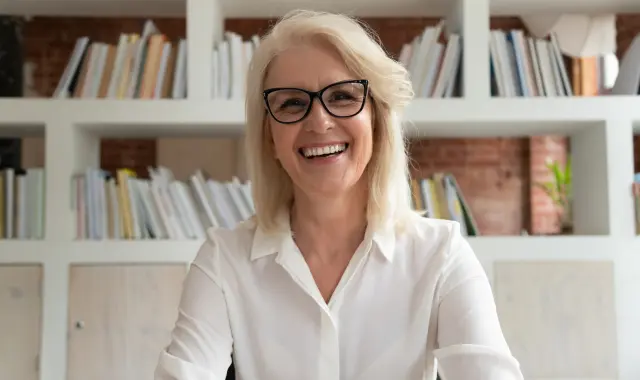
316	94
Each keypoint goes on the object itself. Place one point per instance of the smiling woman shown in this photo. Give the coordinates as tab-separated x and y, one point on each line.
335	277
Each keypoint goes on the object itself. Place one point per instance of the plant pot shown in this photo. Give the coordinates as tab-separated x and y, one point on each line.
565	218
566	229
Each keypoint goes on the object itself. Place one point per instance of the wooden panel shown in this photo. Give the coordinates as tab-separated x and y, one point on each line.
216	156
120	318
33	152
559	318
20	318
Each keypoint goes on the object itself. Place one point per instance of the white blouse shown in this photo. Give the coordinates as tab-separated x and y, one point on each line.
405	303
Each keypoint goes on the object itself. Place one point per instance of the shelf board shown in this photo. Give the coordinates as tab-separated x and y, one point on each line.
128	118
516	7
110	252
491	117
98	252
516	117
230	8
275	8
506	248
24	251
494	248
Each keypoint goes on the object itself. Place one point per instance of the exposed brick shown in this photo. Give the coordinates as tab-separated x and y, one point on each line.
544	217
627	26
636	145
134	154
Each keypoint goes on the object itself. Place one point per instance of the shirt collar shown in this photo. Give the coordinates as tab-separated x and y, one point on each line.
265	244
385	240
280	240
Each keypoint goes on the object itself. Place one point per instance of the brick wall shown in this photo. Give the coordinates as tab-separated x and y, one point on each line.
544	218
495	174
636	144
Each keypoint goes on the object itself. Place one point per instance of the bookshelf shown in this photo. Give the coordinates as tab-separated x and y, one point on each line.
600	129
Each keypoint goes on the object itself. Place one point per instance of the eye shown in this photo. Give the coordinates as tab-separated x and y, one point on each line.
295	102
341	95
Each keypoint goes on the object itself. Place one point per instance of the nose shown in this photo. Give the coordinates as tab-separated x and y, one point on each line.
318	120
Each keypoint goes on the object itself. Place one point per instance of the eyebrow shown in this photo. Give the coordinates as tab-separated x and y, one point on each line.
300	86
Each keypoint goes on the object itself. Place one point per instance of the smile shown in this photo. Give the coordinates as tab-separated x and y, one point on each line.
323	151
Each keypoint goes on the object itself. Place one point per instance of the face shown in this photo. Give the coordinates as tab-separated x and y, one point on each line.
323	154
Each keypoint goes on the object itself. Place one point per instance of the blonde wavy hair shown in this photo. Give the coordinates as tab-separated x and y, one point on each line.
389	201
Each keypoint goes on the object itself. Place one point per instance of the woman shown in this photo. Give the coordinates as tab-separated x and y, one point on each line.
335	277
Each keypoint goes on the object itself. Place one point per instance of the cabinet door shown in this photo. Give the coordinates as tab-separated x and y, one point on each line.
120	318
20	316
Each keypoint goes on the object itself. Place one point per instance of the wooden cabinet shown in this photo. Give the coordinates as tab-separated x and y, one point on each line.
120	318
20	321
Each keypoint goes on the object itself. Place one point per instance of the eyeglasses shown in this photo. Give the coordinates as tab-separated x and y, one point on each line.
288	105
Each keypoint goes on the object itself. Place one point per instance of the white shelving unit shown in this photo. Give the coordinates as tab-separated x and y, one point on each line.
601	132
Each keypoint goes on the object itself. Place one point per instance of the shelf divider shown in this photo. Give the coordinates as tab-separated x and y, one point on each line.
470	18
205	25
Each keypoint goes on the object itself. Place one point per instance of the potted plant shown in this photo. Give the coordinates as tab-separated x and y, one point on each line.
559	190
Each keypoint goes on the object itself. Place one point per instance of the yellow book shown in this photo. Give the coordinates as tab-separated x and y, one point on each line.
441	196
437	205
124	201
127	65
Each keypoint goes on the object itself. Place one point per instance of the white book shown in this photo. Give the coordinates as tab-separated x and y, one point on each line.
545	68
432	70
224	70
21	206
215	74
204	198
71	70
236	64
535	61
138	62
449	66
187	205
151	211
164	62
227	211
179	75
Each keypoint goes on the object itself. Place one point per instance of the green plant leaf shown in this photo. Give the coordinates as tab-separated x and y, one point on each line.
551	190
558	175
567	171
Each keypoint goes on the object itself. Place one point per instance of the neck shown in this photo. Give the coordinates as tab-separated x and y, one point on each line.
329	227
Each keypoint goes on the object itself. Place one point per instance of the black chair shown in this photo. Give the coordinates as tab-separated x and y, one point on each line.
231	373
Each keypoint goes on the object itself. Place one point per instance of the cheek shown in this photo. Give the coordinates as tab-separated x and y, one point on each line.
363	131
282	142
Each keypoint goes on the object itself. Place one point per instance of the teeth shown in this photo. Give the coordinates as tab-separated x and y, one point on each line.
323	150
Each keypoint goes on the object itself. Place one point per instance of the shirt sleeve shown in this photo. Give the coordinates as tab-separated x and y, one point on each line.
201	342
471	344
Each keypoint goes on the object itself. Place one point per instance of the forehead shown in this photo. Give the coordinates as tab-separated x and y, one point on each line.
310	66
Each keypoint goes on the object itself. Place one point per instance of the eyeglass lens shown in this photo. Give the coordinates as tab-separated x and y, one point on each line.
340	100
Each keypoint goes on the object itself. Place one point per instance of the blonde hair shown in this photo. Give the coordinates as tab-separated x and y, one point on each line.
389	201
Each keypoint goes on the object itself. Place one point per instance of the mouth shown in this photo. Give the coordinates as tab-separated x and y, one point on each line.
323	151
